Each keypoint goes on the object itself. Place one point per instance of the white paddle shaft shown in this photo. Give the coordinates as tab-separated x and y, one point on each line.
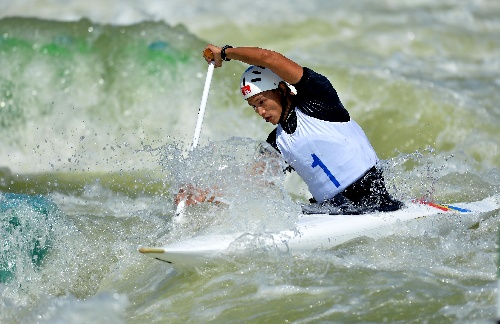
203	104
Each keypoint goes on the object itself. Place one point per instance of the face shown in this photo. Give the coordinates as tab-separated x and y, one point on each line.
267	105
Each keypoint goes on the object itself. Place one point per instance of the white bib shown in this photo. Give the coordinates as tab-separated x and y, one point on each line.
328	156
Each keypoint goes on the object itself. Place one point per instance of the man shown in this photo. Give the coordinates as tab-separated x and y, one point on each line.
314	133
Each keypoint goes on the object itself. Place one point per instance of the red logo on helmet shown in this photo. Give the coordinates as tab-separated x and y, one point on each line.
246	90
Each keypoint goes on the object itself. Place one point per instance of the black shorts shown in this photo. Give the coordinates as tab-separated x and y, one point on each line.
370	192
366	195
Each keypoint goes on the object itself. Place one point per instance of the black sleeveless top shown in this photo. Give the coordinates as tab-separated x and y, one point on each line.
315	97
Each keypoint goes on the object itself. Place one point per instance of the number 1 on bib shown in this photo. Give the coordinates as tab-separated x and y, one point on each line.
317	162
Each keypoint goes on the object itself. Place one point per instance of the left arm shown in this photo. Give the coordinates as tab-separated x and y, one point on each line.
285	68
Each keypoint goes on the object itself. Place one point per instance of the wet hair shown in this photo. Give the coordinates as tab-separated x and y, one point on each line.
284	95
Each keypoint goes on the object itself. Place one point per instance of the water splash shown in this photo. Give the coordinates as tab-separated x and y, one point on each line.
27	228
245	175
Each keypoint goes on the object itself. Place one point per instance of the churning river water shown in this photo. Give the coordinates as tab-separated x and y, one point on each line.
98	104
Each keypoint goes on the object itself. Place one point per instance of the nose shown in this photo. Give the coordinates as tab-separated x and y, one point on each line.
260	111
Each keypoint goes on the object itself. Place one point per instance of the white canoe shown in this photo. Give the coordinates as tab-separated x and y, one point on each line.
319	232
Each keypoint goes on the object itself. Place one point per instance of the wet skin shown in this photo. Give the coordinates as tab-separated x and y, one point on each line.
267	105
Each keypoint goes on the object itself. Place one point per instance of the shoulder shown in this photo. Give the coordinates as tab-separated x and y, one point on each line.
316	86
312	77
316	97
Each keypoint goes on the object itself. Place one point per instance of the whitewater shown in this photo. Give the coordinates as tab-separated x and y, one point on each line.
98	105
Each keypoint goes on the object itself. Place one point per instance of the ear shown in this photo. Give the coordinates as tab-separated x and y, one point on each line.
283	87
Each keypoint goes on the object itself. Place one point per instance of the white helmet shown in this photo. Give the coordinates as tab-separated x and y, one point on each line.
257	79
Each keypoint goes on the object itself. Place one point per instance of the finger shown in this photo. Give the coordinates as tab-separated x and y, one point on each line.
208	55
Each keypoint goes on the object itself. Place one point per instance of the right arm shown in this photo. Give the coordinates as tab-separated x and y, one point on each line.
191	195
